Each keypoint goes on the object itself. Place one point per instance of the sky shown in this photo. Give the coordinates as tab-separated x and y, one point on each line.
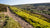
18	2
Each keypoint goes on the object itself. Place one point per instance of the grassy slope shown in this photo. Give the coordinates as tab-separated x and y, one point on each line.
8	22
36	15
11	23
2	19
29	18
3	7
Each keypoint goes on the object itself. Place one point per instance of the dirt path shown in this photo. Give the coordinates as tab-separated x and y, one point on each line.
16	18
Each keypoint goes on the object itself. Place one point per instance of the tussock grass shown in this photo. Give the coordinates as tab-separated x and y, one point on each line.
8	22
11	23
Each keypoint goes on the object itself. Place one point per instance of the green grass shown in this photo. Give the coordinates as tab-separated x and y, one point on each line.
2	19
33	20
11	23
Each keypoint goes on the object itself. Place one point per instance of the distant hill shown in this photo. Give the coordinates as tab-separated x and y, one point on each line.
34	6
38	4
39	7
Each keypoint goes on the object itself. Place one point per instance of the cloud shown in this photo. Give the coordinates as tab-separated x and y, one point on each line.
13	2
